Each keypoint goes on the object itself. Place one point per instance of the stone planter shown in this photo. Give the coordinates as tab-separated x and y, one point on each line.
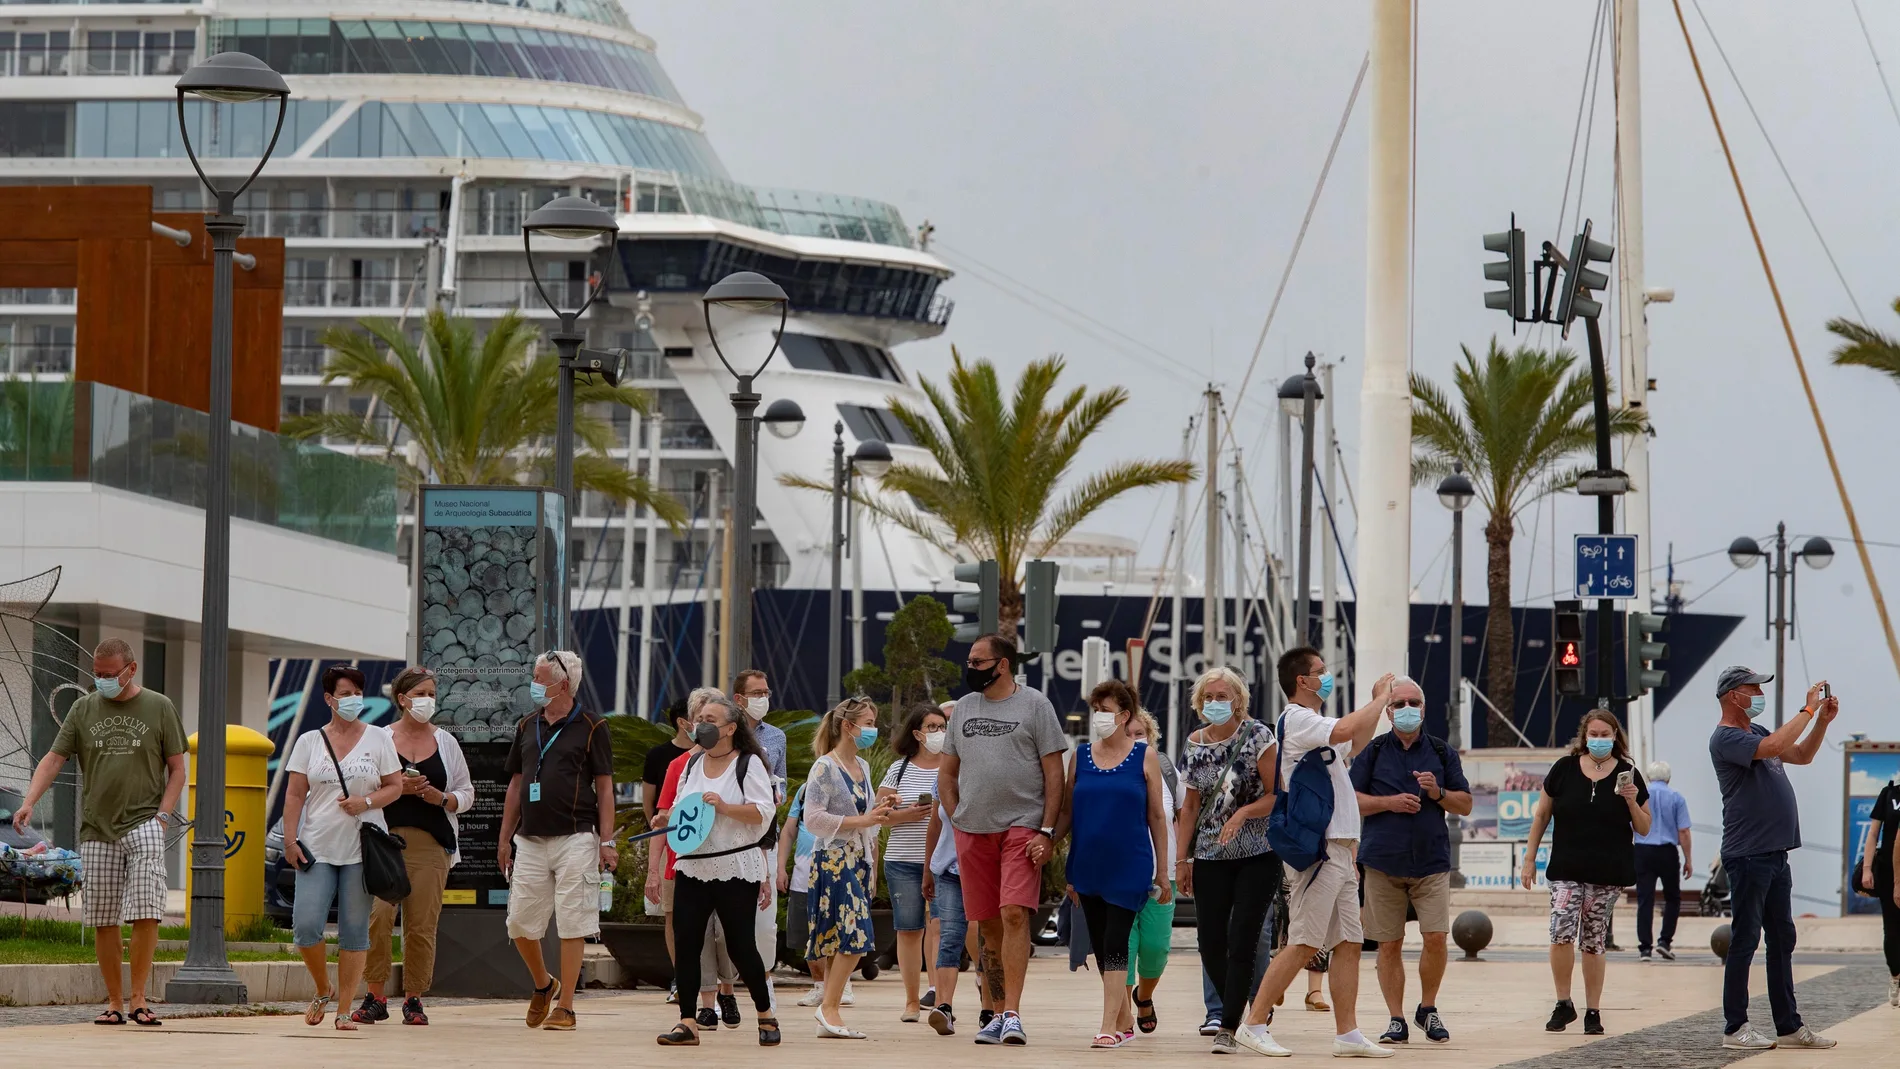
640	951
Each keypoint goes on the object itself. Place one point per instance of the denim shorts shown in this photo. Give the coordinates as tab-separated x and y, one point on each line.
316	890
953	929
905	883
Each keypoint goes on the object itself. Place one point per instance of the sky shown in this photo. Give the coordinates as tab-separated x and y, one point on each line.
1149	165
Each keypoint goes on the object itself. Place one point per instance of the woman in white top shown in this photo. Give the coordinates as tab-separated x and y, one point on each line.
435	787
843	823
727	874
322	837
911	784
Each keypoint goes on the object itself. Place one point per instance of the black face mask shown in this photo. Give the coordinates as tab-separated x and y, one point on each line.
980	678
706	736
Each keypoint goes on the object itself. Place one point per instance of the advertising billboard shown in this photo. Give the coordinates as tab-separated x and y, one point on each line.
1870	766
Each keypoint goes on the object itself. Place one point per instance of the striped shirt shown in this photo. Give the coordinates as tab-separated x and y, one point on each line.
907	841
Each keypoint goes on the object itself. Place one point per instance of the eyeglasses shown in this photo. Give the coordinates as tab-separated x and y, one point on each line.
1403	703
980	662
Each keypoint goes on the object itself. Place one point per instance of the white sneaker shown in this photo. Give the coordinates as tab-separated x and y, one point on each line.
1747	1037
1359	1048
815	997
849	998
1807	1037
1256	1038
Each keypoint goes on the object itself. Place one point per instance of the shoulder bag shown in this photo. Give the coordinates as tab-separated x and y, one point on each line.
384	874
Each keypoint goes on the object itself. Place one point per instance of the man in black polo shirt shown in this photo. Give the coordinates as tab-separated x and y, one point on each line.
1407	782
557	832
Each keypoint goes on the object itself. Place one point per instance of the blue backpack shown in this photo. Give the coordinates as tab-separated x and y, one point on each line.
1304	808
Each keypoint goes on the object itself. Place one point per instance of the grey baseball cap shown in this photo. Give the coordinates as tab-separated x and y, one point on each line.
1736	675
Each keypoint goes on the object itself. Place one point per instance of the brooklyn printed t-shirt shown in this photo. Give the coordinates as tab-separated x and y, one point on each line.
121	748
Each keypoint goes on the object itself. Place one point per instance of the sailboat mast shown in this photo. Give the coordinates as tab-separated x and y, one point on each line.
1210	593
1632	314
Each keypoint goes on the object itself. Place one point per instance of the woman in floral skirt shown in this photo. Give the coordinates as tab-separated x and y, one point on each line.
843	821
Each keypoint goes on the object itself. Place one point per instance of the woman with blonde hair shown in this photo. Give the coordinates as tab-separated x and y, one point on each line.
843	821
1599	799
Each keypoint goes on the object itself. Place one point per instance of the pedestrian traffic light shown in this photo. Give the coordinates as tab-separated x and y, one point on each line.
982	604
1509	271
1576	291
1039	607
1646	654
1568	669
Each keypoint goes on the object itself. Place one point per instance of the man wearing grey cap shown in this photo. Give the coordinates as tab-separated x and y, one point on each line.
1760	824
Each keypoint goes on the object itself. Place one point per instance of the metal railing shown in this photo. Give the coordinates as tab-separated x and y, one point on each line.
137	61
19	295
518	291
305	360
42	359
368	223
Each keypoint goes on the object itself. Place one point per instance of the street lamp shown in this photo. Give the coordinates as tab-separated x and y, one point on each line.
746	293
1778	587
1298	395
783	418
873	458
206	975
1455	493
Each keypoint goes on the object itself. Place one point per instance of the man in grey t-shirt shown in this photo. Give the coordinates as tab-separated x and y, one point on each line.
1002	782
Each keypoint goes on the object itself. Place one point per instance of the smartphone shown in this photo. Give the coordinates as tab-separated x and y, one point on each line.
1624	779
924	799
307	863
1827	691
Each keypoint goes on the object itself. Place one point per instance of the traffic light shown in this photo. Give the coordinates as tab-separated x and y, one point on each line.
982	604
1039	607
1575	293
1646	654
1509	271
1569	648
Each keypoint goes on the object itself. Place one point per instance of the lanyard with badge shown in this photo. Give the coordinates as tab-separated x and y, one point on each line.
534	786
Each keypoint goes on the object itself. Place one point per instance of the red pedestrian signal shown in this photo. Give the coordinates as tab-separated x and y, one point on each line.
1568	625
1570	656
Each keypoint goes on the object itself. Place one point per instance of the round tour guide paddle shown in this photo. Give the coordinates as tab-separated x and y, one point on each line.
688	824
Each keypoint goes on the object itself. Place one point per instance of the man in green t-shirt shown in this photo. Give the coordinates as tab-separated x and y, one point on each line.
131	749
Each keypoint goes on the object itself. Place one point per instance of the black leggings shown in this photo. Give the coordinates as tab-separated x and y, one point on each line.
695	902
1109	926
1890	928
1230	905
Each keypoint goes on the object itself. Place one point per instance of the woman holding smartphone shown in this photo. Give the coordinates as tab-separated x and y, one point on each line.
910	784
843	821
1600	803
435	787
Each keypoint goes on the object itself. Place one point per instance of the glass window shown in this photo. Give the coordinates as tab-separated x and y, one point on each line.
363	54
423	43
493	60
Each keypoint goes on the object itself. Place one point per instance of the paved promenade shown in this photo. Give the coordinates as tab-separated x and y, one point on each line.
1659	1016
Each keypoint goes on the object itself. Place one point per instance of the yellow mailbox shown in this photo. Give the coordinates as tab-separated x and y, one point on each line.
246	788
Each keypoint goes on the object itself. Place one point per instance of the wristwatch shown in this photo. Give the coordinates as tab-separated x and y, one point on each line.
1047	833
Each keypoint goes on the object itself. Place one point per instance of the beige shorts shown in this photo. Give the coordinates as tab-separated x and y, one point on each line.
1388	896
558	877
1323	901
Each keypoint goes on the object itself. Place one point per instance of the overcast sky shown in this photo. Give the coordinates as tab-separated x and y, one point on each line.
1149	164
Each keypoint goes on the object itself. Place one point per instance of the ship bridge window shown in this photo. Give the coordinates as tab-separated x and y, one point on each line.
868	423
521	131
810	353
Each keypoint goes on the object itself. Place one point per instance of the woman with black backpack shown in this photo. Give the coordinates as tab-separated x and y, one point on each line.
726	875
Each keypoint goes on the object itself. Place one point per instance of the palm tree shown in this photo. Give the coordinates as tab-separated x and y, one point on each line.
1519	418
1863	346
477	410
998	464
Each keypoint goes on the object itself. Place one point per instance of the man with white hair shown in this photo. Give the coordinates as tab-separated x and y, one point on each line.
557	832
1656	859
1407	781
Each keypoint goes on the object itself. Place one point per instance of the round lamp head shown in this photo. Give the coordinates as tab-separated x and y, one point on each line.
1818	552
1744	552
1455	490
746	291
1293	394
872	457
574	218
233	78
783	418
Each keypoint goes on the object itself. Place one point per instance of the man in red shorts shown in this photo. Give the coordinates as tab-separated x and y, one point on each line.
1001	782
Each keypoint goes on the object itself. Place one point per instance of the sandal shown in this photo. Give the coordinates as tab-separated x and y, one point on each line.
683	1035
109	1017
768	1032
1145	1017
313	1013
344	1024
144	1016
1106	1041
1316	1003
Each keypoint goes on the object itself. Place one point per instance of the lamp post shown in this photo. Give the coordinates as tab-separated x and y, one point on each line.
1455	493
1778	588
1298	394
873	458
573	219
749	293
206	975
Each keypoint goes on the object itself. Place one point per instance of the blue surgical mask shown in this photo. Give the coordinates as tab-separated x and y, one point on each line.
1408	720
1600	748
1217	712
108	686
1757	704
349	707
867	737
538	693
1325	686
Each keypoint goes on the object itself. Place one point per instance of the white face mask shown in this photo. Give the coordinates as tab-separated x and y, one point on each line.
423	709
1102	725
933	740
756	707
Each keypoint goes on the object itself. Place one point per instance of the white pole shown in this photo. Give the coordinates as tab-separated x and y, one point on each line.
626	574
1328	566
650	575
709	587
1210	594
1289	554
1384	552
856	538
1177	634
1633	315
1237	653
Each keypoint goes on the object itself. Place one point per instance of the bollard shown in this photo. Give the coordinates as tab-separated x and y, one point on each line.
1719	940
246	783
1472	932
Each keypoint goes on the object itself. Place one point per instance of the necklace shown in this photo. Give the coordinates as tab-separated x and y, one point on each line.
1594	782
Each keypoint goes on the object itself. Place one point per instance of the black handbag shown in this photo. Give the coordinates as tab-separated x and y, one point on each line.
384	873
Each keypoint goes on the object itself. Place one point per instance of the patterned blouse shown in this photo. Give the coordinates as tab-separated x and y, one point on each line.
1227	775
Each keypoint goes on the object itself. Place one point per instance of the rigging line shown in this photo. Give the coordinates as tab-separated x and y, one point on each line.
1312	205
1590	63
1794	349
1776	153
1590	122
1878	68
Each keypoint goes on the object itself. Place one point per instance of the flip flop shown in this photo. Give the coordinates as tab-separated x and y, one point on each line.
1107	1041
144	1016
109	1017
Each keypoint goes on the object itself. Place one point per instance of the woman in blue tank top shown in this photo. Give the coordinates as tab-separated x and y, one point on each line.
1114	809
